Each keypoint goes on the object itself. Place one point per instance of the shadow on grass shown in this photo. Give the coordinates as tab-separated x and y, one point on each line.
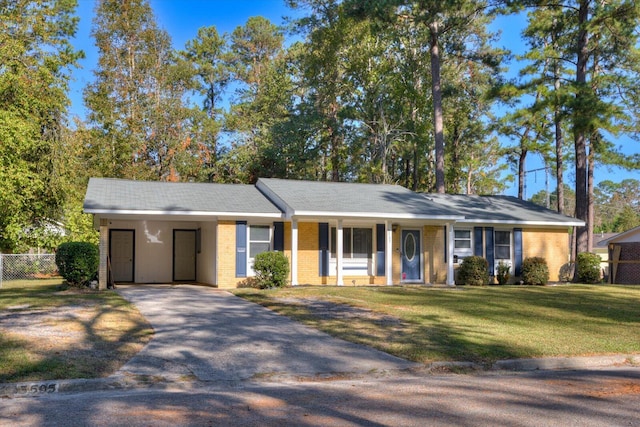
480	325
48	332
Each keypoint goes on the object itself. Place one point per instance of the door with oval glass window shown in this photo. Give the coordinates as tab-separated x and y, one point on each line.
411	259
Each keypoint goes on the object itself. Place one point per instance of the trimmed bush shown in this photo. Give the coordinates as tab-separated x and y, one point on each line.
535	271
474	271
272	269
503	274
78	262
588	268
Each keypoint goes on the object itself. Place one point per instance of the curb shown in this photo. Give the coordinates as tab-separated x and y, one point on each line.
129	382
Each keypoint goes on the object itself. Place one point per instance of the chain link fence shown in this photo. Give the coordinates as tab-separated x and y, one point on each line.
25	267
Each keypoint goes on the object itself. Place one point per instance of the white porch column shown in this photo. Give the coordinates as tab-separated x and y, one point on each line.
339	250
450	246
103	269
388	252
294	252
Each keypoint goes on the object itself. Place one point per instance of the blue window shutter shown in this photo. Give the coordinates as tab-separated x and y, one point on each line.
241	248
517	251
323	233
278	236
446	249
477	241
490	249
380	243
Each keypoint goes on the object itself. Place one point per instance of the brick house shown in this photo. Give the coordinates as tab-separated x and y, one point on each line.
332	233
624	257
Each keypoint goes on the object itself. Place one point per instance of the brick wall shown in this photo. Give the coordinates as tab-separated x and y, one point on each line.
550	244
226	253
628	272
435	269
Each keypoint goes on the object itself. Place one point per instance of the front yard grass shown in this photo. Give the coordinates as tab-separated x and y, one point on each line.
48	331
478	324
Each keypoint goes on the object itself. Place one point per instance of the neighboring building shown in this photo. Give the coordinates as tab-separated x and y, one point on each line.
601	248
624	257
333	233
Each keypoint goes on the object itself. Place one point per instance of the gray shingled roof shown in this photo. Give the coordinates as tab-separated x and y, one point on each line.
350	200
106	195
500	209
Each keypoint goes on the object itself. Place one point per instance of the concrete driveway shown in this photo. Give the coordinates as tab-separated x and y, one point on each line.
213	335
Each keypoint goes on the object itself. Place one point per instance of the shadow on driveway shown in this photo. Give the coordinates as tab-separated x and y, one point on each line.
213	335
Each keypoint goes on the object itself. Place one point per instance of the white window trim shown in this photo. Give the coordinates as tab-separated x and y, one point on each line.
353	266
250	260
462	253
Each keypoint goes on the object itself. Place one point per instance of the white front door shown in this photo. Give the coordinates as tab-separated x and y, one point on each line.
184	255
121	254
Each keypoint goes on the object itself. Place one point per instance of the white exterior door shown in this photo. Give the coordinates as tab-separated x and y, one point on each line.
121	254
184	255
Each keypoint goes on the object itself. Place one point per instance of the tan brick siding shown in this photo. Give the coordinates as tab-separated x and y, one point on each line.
226	254
435	268
550	244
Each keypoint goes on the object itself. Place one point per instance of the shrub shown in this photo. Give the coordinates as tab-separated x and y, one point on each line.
588	268
503	274
474	271
272	269
535	271
78	262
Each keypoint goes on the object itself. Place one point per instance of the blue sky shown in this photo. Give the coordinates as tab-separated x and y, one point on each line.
182	19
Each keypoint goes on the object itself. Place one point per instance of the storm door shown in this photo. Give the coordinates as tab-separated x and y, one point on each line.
411	259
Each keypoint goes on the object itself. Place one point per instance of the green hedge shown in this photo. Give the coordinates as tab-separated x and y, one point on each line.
588	268
474	271
272	270
535	271
78	262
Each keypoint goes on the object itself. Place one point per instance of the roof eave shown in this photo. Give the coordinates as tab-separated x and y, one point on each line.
118	212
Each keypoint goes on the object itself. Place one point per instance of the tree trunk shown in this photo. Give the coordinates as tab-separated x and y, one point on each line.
521	173
590	208
557	121
436	90
581	129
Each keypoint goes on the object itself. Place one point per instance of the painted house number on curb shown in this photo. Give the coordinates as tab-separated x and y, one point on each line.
31	389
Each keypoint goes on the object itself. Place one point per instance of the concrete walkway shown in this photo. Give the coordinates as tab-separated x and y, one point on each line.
211	335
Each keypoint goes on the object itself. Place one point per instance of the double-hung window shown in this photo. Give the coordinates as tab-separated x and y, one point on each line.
357	248
259	241
502	245
462	244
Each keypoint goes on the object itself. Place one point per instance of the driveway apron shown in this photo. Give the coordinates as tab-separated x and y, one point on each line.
213	335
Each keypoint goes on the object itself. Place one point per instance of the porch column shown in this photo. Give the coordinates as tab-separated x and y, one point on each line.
339	249
450	249
294	252
388	253
103	269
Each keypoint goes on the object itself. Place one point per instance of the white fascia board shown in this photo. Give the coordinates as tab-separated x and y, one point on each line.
575	223
106	212
373	215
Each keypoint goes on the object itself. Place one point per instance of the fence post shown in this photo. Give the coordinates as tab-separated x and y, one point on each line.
1	270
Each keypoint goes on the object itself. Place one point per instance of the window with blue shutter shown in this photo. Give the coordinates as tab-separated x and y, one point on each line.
323	235
490	249
380	245
477	241
517	251
278	236
241	248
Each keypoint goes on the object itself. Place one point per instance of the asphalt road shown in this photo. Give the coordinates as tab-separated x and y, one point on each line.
217	360
609	397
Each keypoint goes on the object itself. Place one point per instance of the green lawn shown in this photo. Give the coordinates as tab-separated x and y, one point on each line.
50	332
479	324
